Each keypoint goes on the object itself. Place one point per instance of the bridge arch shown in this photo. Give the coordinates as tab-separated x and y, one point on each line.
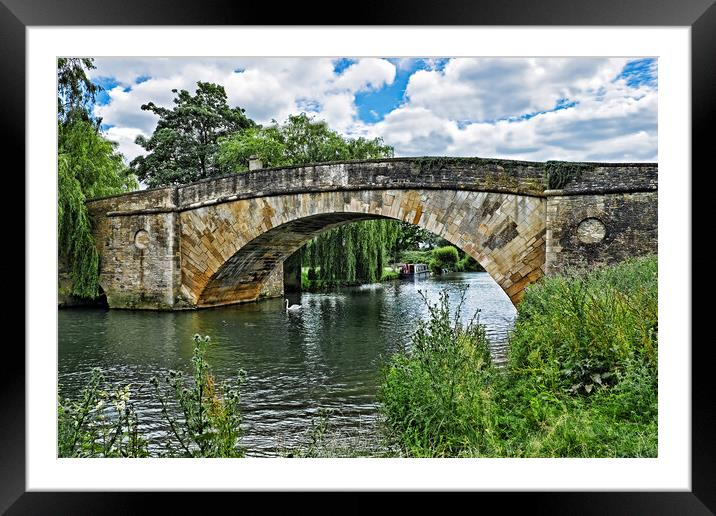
229	250
212	242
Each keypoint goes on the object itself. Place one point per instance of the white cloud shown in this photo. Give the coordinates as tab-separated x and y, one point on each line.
267	88
487	89
124	137
338	111
416	131
491	107
366	74
472	108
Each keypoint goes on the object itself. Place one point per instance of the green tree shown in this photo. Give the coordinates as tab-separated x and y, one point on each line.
444	258
266	143
75	91
352	252
414	238
300	140
184	145
88	166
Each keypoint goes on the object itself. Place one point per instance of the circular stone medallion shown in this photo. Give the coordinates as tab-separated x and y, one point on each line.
141	239
591	231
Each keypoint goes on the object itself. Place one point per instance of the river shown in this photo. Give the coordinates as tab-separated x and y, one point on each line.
325	356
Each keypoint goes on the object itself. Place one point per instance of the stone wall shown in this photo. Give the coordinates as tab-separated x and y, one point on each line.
273	285
229	249
152	200
518	177
139	260
598	178
585	231
224	240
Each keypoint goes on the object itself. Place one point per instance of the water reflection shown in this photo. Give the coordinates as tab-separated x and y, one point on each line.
326	355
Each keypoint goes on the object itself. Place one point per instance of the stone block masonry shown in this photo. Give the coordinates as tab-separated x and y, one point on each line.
586	231
223	240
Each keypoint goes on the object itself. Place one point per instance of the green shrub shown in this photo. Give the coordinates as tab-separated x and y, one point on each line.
211	418
447	257
444	258
580	331
389	275
468	264
415	256
434	398
584	355
581	378
99	424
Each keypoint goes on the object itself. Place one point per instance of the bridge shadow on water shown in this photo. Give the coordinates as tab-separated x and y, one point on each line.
328	355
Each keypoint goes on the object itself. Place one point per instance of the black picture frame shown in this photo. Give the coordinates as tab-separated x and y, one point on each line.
700	15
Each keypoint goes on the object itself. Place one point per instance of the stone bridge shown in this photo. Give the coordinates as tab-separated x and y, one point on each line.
223	240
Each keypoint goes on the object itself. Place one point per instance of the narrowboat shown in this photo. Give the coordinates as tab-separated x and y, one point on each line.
414	271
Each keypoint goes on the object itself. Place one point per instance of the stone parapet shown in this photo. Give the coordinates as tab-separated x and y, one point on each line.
224	240
424	173
155	199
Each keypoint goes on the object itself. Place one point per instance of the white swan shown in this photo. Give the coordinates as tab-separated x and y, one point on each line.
292	307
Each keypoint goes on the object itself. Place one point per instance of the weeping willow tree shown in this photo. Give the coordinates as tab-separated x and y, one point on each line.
352	253
88	165
355	252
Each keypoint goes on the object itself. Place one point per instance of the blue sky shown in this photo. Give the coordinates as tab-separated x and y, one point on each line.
599	109
373	105
639	72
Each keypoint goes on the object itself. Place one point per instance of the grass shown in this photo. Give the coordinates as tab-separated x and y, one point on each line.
435	398
310	281
581	378
580	381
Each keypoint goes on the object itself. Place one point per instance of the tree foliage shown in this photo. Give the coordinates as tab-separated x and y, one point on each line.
350	253
88	166
414	238
75	91
444	258
298	141
355	252
184	146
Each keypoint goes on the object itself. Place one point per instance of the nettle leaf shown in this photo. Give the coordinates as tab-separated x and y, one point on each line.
588	388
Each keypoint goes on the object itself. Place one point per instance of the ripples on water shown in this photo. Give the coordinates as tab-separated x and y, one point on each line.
325	356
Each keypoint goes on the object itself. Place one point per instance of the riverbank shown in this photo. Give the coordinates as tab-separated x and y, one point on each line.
324	356
580	381
310	282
